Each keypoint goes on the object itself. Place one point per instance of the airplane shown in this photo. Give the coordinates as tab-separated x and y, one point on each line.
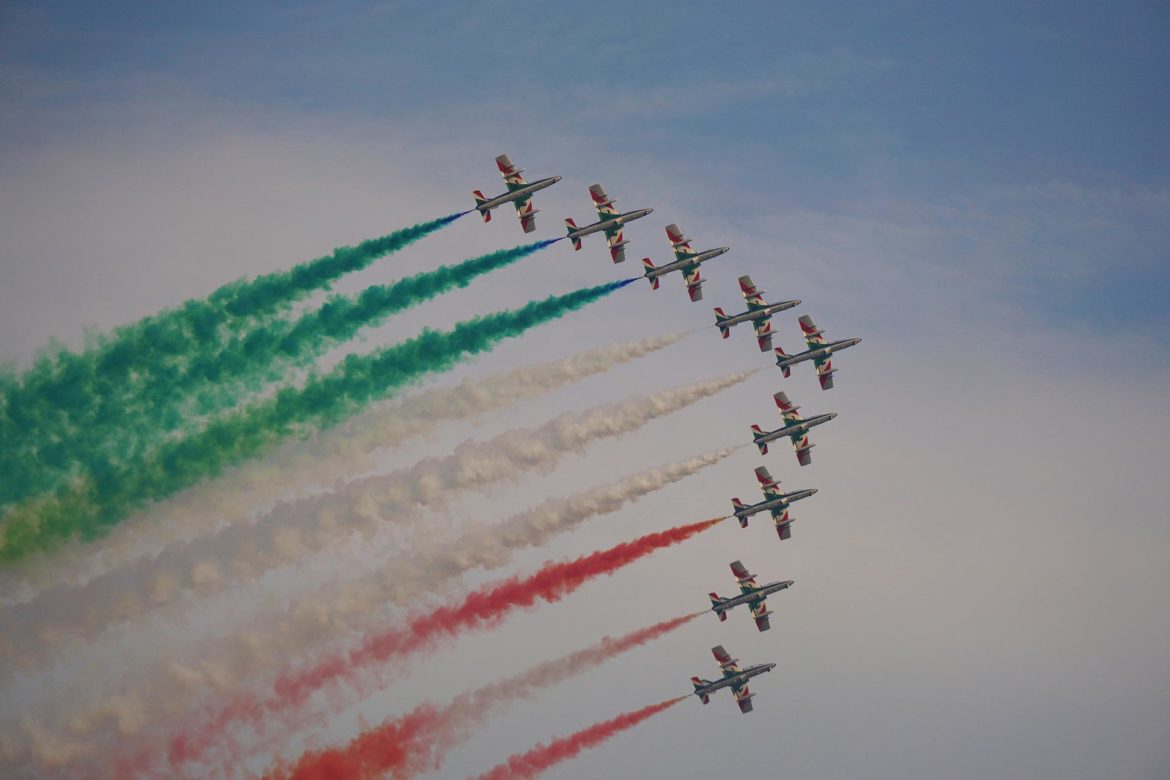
734	678
795	429
519	193
608	220
751	593
819	352
758	313
774	501
686	260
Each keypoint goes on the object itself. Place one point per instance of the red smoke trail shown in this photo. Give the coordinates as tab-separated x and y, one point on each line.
541	757
419	740
484	607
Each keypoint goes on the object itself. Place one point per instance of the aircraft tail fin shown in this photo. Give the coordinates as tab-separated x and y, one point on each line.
649	266
479	201
738	505
757	432
720	318
571	226
700	683
782	361
716	605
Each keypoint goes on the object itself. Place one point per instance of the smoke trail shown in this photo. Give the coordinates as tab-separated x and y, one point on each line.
534	762
483	607
88	510
420	740
130	418
242	551
49	402
30	633
322	460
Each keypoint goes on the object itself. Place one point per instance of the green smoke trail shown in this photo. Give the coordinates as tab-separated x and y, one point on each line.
88	509
133	418
44	412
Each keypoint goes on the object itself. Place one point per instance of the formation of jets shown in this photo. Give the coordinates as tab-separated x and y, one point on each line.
759	312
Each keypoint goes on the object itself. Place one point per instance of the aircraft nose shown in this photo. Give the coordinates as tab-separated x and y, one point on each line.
812	491
556	178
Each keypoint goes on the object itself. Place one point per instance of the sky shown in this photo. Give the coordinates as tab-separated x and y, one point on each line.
981	192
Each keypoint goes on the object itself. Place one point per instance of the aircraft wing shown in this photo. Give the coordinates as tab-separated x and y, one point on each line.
747	580
764	477
513	176
751	293
760	613
617	244
763	327
825	371
803	449
788	410
693	276
814	337
772	493
730	665
526	213
743	697
679	243
602	203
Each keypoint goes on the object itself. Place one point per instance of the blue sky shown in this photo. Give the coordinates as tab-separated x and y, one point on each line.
980	191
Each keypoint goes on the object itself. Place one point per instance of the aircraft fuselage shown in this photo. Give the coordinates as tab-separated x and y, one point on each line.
759	314
795	429
775	503
678	265
609	224
737	679
753	597
517	194
810	354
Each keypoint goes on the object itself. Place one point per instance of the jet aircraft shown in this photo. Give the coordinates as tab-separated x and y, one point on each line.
795	428
519	193
774	501
734	678
609	221
819	352
751	593
687	260
758	313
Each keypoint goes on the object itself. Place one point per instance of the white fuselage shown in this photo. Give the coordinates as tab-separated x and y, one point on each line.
759	314
795	428
811	354
776	503
678	265
609	224
508	197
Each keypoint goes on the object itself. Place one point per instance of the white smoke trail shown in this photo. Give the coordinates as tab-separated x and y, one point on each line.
169	688
30	633
355	607
300	468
